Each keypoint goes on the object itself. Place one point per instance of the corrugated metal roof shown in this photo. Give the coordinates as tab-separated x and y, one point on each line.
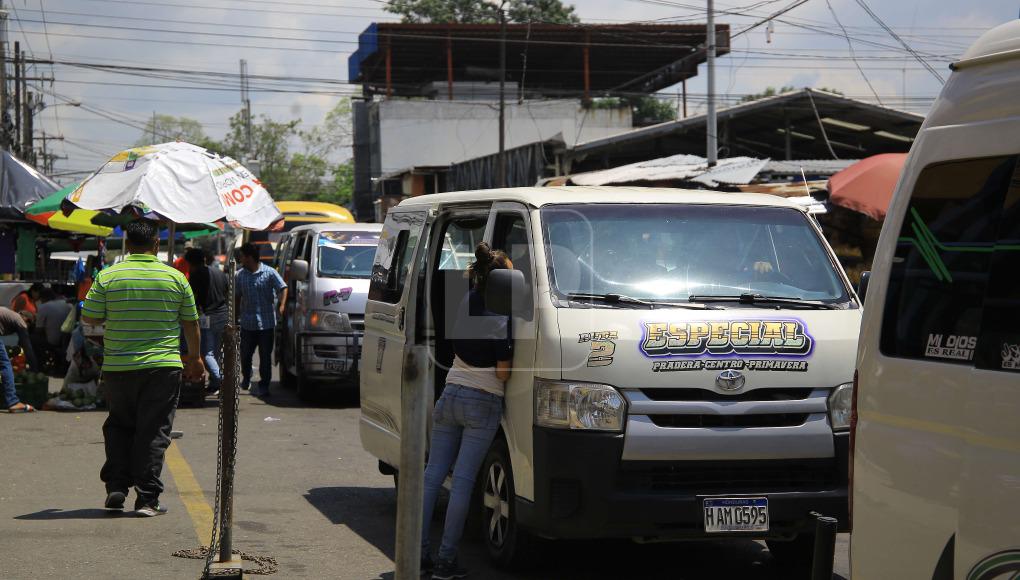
734	170
810	166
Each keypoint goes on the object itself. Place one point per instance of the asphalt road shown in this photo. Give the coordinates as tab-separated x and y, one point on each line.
306	495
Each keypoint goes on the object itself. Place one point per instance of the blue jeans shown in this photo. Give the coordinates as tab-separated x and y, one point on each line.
464	423
263	341
212	348
7	376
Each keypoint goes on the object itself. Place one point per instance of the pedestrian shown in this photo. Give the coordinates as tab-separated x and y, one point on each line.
143	304
467	415
210	288
27	300
13	323
261	294
53	311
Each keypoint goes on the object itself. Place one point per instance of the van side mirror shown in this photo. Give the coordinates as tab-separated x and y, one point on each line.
299	270
862	288
506	292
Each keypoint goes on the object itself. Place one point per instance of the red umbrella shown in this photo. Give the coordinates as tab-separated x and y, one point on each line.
867	186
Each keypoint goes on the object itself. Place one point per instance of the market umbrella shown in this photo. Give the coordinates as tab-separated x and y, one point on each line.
179	183
47	212
20	185
867	186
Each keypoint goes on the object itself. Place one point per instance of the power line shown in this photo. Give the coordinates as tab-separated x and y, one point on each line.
893	34
850	45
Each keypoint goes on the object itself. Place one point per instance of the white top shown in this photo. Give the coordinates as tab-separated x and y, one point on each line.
481	378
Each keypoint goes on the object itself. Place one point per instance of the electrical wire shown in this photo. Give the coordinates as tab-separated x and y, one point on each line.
893	34
850	45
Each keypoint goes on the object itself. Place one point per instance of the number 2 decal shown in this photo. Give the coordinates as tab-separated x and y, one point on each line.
602	346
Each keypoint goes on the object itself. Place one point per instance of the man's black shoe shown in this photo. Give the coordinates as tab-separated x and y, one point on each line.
115	500
447	570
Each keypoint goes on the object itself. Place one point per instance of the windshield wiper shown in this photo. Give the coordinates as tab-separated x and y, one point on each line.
623	299
760	299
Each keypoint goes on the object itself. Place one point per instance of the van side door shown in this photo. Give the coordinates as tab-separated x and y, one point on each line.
390	322
510	230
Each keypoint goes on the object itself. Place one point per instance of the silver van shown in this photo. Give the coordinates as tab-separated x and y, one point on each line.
327	268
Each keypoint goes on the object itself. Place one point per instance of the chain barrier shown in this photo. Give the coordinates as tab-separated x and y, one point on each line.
266	564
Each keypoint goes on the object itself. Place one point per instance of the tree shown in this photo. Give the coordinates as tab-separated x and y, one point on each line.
334	134
768	92
170	128
650	110
481	12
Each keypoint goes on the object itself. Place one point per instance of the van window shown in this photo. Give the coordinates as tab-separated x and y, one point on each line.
956	247
459	243
511	236
674	251
346	254
394	254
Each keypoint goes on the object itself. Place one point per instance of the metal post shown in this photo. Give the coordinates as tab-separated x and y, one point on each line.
787	140
685	97
154	127
502	96
414	409
16	141
389	68
587	67
3	71
825	547
449	66
710	128
170	240
27	145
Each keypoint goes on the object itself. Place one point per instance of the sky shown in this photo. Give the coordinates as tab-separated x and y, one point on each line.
312	39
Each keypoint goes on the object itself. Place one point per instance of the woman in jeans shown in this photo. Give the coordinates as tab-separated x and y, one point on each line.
468	413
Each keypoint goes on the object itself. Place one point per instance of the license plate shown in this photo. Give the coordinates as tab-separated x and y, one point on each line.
737	514
336	366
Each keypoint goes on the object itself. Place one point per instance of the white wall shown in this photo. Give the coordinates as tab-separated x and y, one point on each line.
417	133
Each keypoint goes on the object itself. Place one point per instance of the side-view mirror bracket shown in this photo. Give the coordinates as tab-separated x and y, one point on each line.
862	288
299	270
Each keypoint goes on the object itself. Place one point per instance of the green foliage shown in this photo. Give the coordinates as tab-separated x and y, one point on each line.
170	128
830	90
648	109
769	92
481	12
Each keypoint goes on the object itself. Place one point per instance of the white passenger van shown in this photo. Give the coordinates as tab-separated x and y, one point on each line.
682	361
936	478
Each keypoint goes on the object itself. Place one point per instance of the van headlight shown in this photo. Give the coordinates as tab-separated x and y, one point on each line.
329	321
579	406
840	403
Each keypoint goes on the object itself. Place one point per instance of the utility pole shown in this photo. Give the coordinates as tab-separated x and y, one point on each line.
27	148
710	128
153	128
246	108
16	138
4	142
502	95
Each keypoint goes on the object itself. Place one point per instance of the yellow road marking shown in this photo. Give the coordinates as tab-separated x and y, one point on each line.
191	493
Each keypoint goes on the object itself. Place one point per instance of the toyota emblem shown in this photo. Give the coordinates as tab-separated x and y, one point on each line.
730	381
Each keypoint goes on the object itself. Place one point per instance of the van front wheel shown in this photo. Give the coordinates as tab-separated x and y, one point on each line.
508	545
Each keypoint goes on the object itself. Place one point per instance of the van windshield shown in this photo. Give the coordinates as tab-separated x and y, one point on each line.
346	254
671	252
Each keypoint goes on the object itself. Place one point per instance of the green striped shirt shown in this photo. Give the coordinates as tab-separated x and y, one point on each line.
143	302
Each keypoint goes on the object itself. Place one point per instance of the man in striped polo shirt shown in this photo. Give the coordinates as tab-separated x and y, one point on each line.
144	304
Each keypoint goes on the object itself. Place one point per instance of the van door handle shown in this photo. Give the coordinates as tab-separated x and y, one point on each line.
400	318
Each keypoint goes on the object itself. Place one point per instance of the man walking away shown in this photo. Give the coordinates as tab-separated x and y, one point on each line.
144	304
12	323
261	293
210	288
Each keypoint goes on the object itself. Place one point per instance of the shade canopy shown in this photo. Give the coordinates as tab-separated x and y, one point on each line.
20	186
180	183
47	212
868	185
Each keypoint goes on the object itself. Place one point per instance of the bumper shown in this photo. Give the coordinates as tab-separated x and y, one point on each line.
329	355
584	490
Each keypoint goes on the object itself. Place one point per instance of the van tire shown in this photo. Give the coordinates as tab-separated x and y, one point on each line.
795	555
508	545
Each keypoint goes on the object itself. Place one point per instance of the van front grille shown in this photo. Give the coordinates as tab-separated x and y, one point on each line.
790	394
709	421
711	477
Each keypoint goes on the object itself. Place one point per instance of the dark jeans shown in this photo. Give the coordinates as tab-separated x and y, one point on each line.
137	431
263	340
10	393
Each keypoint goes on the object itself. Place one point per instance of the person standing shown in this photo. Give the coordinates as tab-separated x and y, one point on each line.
261	294
467	415
12	323
27	300
144	304
210	288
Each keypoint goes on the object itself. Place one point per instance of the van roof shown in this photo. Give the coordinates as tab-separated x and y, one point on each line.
338	227
541	196
999	43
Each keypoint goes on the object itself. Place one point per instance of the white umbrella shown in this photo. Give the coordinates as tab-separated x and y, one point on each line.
180	183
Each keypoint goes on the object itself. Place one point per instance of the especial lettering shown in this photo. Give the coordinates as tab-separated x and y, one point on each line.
788	337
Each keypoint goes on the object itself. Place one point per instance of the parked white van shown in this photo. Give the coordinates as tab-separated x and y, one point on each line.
936	477
682	362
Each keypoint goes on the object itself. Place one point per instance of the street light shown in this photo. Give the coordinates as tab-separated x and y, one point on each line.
40	106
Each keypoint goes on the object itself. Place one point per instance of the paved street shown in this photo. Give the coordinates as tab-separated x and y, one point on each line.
307	495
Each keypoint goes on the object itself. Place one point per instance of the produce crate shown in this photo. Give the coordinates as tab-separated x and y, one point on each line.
32	390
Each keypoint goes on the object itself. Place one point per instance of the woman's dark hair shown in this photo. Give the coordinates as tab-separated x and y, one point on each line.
486	260
141	234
